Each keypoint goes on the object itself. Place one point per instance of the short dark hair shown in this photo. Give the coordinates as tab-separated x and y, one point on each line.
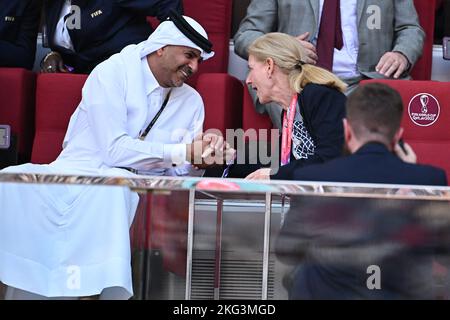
375	109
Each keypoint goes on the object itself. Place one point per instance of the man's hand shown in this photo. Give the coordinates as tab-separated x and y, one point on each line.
194	151
215	144
207	150
261	174
53	63
392	63
408	156
310	49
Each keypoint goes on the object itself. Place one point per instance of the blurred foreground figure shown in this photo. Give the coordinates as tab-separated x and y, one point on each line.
349	248
337	241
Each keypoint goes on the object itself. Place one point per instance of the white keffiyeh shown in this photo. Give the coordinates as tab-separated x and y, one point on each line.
168	34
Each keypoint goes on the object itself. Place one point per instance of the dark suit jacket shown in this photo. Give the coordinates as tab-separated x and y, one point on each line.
373	163
335	240
322	109
107	26
19	22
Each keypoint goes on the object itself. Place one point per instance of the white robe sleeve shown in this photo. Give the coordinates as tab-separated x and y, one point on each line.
197	128
104	101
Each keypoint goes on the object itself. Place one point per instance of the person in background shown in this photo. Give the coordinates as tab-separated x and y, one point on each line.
19	23
82	33
312	100
355	39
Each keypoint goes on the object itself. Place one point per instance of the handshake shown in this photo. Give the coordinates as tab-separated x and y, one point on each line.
209	149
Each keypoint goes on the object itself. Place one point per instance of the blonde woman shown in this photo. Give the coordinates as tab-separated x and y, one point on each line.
312	100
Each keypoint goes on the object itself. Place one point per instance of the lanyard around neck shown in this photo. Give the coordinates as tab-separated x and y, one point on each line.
144	134
286	138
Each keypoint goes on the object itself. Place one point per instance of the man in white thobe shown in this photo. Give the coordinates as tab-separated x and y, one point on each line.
72	241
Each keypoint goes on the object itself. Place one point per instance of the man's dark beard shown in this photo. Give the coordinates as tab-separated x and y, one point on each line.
187	70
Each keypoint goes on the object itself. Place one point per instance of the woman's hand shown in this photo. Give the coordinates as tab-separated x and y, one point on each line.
208	150
261	174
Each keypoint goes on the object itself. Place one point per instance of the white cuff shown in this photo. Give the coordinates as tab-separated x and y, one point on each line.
174	154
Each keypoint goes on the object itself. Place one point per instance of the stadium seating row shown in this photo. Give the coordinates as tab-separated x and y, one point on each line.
38	107
54	97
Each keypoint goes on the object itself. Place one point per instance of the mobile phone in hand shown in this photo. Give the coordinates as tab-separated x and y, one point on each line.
401	143
446	47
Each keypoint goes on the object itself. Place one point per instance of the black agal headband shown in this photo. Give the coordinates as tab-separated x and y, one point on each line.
190	32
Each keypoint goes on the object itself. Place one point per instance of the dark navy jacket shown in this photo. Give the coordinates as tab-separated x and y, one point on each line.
107	26
322	109
334	240
19	23
373	163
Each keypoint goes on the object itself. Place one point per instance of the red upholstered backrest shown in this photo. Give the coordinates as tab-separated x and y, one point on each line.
222	96
431	142
57	97
215	17
426	11
252	119
17	106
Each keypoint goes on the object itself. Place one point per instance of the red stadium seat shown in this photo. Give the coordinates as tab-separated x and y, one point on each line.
221	93
17	107
426	119
215	17
222	96
57	97
252	119
426	11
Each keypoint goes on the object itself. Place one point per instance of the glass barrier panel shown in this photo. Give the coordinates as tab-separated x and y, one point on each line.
196	238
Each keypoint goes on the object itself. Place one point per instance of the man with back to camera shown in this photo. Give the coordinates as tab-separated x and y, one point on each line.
372	132
333	240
